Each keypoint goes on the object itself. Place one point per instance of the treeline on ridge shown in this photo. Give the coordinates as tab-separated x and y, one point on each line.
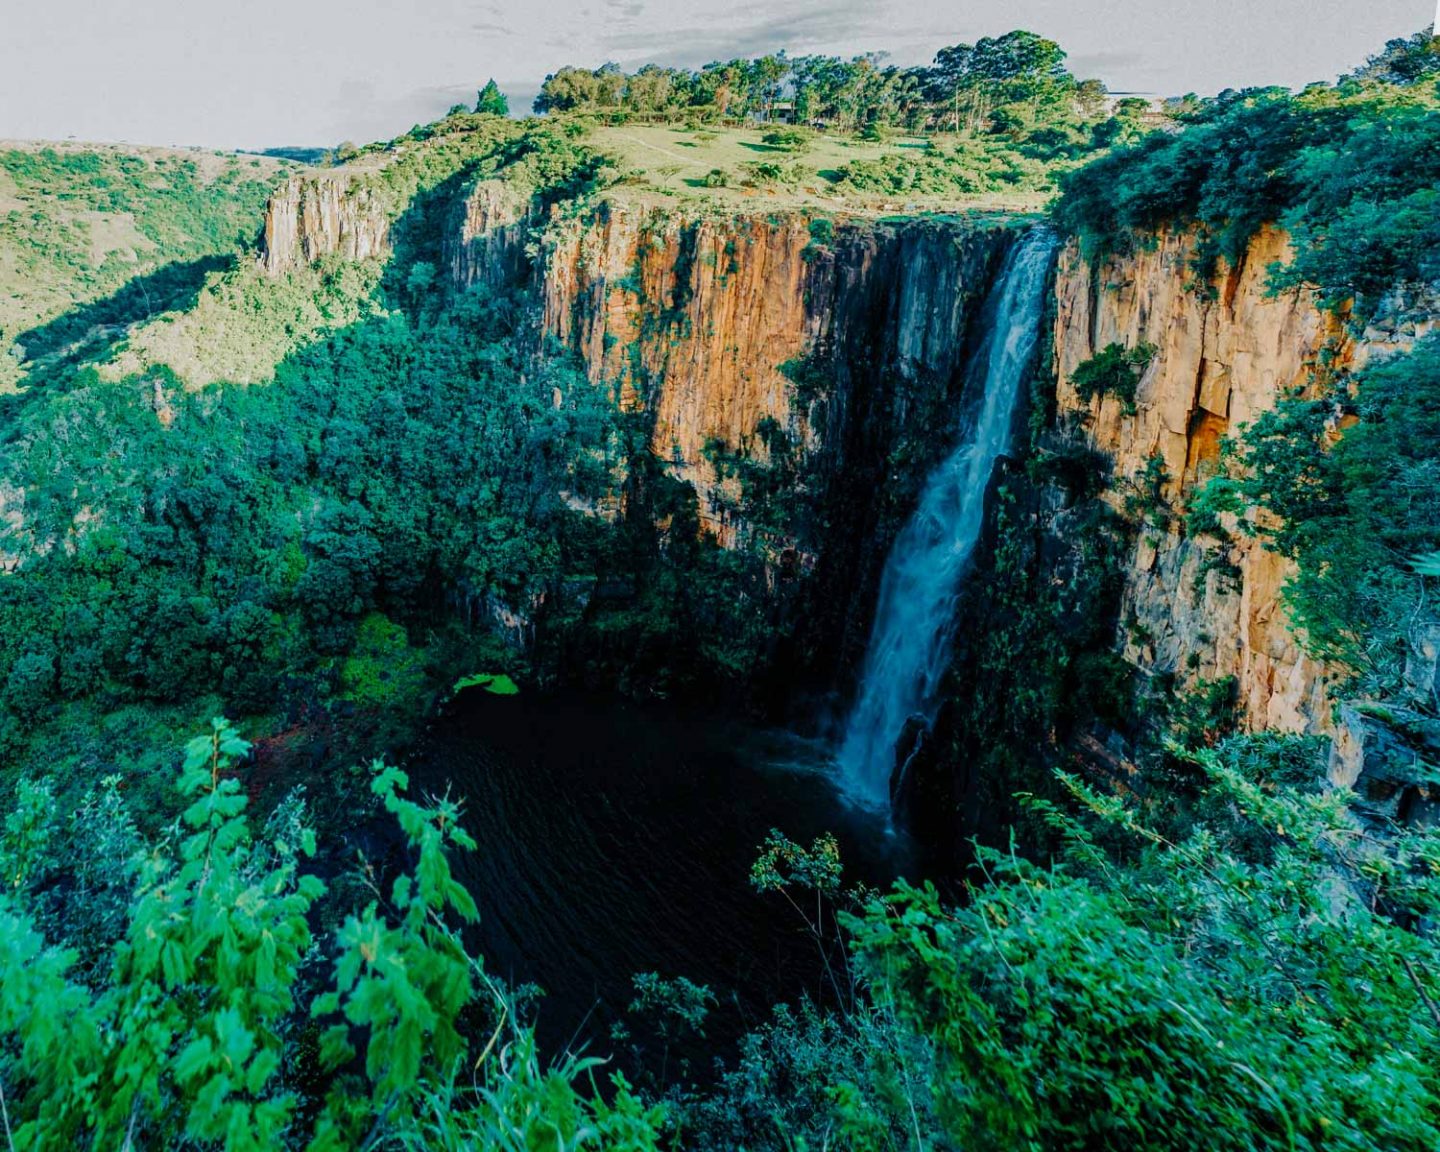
1015	84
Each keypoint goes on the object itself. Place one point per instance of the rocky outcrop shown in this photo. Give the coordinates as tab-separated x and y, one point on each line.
1225	352
332	214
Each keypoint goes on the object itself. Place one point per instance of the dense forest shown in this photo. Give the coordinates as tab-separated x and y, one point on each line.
327	501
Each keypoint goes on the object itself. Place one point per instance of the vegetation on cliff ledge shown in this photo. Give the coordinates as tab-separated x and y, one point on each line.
1350	171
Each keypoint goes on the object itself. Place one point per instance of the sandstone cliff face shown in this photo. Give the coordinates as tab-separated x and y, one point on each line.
701	323
322	215
1222	358
697	322
486	241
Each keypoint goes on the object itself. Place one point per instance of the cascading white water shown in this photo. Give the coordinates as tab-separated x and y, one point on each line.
915	618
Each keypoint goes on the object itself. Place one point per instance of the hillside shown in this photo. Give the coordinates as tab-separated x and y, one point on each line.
122	232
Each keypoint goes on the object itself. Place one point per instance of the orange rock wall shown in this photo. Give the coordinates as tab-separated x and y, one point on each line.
1223	357
693	319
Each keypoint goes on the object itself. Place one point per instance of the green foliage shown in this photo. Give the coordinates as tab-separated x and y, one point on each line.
767	173
1143	494
812	376
1351	513
1213	989
970	166
1427	564
1349	171
1014	86
673	1010
491	101
822	232
382	668
1248	971
123	232
795	140
678	1006
197	1033
1205	715
1413	60
1220	501
812	1079
1113	371
259	540
495	684
782	864
188	1029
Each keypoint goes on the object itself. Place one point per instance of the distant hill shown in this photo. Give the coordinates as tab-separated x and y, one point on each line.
109	234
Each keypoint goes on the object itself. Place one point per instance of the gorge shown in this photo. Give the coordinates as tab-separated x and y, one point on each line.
910	629
747	347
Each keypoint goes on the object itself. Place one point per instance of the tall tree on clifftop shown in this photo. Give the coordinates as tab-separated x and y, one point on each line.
492	101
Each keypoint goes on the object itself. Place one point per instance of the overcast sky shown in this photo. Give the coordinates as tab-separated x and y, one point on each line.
258	73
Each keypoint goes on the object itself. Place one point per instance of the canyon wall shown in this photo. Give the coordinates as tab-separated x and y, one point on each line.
315	216
1223	356
851	337
485	242
719	331
701	321
706	323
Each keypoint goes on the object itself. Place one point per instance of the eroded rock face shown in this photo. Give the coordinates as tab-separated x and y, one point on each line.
1223	357
486	244
701	323
322	215
698	322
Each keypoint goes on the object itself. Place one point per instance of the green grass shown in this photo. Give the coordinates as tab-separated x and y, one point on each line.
670	164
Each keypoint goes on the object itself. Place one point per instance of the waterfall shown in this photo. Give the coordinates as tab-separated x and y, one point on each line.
915	618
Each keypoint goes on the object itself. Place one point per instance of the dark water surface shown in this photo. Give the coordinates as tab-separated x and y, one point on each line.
616	838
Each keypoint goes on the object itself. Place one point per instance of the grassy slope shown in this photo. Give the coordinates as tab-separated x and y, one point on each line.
80	222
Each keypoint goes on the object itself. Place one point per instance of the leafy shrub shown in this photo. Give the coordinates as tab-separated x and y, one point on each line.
788	139
769	173
199	1033
1113	371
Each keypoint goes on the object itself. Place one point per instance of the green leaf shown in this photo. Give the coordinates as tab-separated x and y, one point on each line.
1426	564
497	684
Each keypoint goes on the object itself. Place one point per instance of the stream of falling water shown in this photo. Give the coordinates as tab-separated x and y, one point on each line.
915	618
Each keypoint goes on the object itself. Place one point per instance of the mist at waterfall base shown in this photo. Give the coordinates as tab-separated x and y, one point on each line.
616	837
909	646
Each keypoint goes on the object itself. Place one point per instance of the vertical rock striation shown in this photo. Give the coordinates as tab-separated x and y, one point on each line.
1225	352
322	215
702	323
850	339
486	243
